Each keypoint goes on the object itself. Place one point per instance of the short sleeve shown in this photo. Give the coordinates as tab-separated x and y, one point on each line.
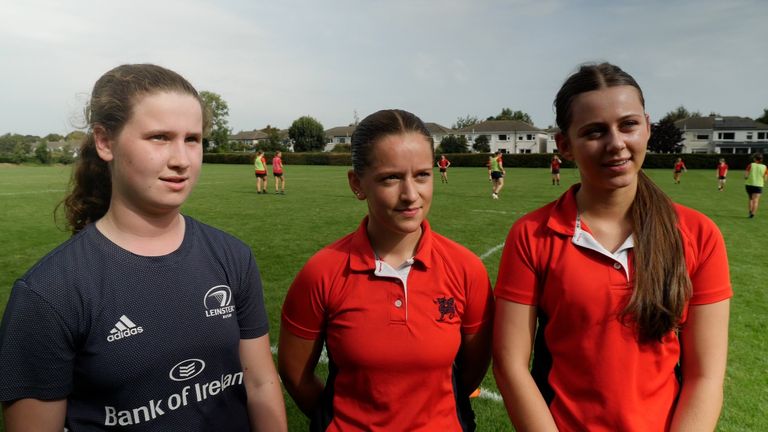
518	280
37	349
251	314
710	275
478	309
304	309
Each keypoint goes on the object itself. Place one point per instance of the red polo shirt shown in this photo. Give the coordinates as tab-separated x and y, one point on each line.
391	350
589	367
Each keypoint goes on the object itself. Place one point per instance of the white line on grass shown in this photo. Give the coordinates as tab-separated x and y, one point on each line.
491	251
30	192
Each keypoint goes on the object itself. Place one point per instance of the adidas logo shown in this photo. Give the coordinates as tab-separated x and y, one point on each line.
124	328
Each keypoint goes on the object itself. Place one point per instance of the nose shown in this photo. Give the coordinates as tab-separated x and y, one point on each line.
616	141
408	191
178	157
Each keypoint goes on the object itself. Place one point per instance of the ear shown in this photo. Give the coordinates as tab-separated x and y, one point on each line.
648	123
103	143
564	146
354	184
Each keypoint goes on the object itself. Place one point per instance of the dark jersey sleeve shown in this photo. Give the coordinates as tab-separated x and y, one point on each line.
251	314
37	348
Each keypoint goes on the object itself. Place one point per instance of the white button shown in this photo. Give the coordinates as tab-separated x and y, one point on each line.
398	303
617	266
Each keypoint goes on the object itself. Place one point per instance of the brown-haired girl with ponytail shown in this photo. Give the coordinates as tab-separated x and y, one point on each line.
621	295
145	318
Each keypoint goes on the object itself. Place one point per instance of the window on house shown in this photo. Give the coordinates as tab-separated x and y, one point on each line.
703	137
762	135
742	150
524	150
726	135
726	150
529	137
749	136
502	137
502	150
343	140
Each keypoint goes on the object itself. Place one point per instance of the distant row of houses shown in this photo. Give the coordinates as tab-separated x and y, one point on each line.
713	134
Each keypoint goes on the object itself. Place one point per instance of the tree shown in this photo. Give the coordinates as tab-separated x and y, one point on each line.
764	118
508	114
481	144
75	136
453	144
53	137
219	111
307	134
273	142
462	122
665	137
42	154
680	113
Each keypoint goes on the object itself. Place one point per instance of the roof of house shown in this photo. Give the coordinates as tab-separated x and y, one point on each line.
500	126
249	136
340	131
720	122
435	128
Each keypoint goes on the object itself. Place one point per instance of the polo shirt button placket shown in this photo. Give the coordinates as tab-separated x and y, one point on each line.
617	266
398	303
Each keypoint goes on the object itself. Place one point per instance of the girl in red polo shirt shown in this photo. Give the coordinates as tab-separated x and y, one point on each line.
404	313
612	285
679	168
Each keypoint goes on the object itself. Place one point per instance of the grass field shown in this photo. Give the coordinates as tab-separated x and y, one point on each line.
284	231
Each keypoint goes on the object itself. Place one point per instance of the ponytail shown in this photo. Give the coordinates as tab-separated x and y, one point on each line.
662	285
91	188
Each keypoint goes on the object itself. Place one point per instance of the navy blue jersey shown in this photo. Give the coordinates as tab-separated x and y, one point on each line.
133	342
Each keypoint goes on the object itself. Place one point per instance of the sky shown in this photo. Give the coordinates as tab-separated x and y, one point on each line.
275	61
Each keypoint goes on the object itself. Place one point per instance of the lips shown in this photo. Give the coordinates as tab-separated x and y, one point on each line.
174	179
409	212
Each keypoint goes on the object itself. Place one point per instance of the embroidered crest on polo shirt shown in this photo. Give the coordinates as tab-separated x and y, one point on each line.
446	307
123	328
218	302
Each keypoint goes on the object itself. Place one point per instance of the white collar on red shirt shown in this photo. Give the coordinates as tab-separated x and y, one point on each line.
586	240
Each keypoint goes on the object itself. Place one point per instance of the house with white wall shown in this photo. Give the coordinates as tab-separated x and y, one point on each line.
338	135
249	139
723	134
508	136
438	132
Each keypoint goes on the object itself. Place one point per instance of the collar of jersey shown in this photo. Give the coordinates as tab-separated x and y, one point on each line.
363	258
562	216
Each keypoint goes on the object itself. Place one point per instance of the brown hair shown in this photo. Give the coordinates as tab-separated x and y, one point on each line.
662	285
378	125
111	106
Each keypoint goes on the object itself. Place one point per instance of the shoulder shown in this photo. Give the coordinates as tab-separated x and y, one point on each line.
697	229
451	251
332	256
217	240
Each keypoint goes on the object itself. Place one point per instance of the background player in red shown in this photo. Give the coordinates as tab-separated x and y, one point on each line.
443	164
722	173
111	328
277	172
623	284
555	169
679	168
404	312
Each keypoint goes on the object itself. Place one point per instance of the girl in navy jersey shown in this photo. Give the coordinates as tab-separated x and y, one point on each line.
145	317
611	286
403	312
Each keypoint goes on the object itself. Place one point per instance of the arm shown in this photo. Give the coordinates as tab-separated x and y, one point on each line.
296	361
704	340
474	357
513	333
35	415
266	408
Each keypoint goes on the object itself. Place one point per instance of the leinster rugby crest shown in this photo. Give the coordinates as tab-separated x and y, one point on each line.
218	302
446	307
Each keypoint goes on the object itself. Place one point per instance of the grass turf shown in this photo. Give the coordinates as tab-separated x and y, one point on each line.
285	230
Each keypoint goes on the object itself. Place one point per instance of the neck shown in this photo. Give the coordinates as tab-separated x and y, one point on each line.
393	248
607	214
142	234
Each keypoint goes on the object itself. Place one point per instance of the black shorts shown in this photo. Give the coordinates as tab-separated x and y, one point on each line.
555	171
497	175
678	171
261	175
443	169
721	177
277	174
753	189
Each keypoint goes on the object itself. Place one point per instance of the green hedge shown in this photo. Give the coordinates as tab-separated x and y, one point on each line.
537	160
